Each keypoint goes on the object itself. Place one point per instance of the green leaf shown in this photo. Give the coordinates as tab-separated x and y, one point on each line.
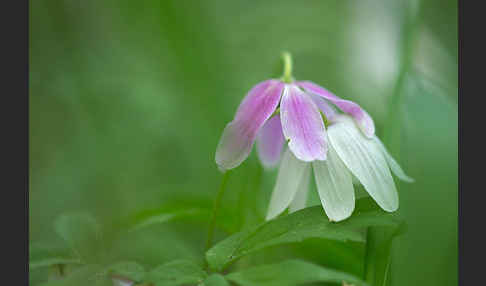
82	233
98	275
290	272
92	274
152	217
187	209
177	272
307	223
42	255
215	279
129	269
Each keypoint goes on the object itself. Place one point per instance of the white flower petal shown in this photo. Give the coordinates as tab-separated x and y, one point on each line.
290	175
335	186
300	200
365	160
395	168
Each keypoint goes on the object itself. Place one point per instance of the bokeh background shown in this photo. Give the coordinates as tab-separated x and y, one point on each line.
128	100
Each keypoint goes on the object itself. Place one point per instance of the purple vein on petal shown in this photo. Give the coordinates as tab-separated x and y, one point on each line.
302	124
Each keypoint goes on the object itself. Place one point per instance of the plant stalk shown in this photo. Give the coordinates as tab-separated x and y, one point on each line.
287	75
217	203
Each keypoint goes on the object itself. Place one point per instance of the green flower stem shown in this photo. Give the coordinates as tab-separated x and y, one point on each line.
217	202
287	75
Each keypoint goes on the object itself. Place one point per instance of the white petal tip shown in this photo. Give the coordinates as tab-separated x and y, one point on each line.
394	166
338	219
367	129
340	215
270	216
222	166
335	187
222	169
269	166
369	135
274	211
390	209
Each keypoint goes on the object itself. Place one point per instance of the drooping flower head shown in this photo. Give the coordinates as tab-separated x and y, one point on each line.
280	110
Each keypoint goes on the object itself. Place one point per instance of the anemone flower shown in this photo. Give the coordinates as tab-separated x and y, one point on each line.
300	122
297	112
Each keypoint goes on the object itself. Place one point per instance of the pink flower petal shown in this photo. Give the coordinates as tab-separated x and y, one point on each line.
270	141
238	136
303	125
323	105
364	120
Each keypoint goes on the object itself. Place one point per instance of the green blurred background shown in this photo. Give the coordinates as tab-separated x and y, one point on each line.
128	100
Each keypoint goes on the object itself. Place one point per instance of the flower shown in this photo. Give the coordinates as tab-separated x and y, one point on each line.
276	111
300	122
353	150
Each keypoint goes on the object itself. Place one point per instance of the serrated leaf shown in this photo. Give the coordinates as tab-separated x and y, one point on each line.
82	233
215	279
129	270
177	272
307	223
42	255
290	272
